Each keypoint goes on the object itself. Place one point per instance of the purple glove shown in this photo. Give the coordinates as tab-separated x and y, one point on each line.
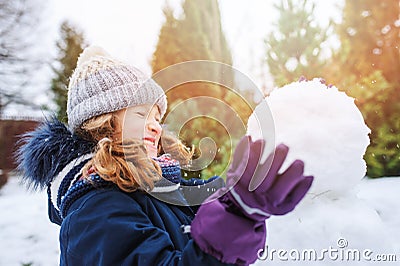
224	234
230	224
258	189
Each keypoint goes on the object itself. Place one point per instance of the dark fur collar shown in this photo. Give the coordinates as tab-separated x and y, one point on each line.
45	151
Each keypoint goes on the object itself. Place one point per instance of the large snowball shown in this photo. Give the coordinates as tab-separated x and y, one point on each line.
323	127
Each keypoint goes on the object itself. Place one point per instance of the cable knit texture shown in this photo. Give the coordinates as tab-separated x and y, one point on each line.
101	84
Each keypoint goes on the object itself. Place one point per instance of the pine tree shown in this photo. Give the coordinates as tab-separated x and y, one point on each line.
70	46
167	50
367	67
198	35
294	47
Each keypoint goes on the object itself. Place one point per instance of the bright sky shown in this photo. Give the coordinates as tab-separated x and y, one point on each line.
129	28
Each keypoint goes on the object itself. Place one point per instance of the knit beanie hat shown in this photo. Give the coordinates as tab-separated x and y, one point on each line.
101	84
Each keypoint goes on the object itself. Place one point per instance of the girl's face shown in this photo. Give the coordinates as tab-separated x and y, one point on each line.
142	122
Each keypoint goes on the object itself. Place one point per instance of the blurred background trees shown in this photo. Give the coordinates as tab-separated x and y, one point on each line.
20	50
197	35
294	47
366	65
22	62
70	46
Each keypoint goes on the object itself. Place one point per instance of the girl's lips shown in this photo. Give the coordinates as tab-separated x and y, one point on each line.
151	146
150	142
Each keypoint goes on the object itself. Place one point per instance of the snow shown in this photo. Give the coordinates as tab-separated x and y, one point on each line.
369	220
27	236
323	127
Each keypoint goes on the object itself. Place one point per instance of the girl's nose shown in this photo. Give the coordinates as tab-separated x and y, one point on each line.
154	126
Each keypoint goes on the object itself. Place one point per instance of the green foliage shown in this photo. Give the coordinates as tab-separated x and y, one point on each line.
294	47
366	89
383	155
70	46
371	29
204	120
367	67
375	101
221	166
198	35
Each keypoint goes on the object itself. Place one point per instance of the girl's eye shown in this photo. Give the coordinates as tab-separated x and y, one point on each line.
140	114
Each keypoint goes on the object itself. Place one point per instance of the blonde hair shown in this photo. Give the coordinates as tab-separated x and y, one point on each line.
126	162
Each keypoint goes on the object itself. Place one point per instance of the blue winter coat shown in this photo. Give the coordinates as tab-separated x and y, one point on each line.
110	227
101	224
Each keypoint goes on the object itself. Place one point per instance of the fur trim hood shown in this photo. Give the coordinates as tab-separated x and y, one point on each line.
47	150
52	156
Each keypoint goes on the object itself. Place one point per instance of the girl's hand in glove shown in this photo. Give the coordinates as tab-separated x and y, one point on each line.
259	190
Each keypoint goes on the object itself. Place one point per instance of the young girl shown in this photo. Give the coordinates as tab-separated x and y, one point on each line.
114	186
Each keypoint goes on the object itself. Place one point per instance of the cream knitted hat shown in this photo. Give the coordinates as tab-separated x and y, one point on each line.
101	84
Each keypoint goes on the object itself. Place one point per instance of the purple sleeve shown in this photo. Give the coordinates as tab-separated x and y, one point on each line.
219	229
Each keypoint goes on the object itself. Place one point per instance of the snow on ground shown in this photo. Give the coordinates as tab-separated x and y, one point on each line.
28	237
368	222
383	196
